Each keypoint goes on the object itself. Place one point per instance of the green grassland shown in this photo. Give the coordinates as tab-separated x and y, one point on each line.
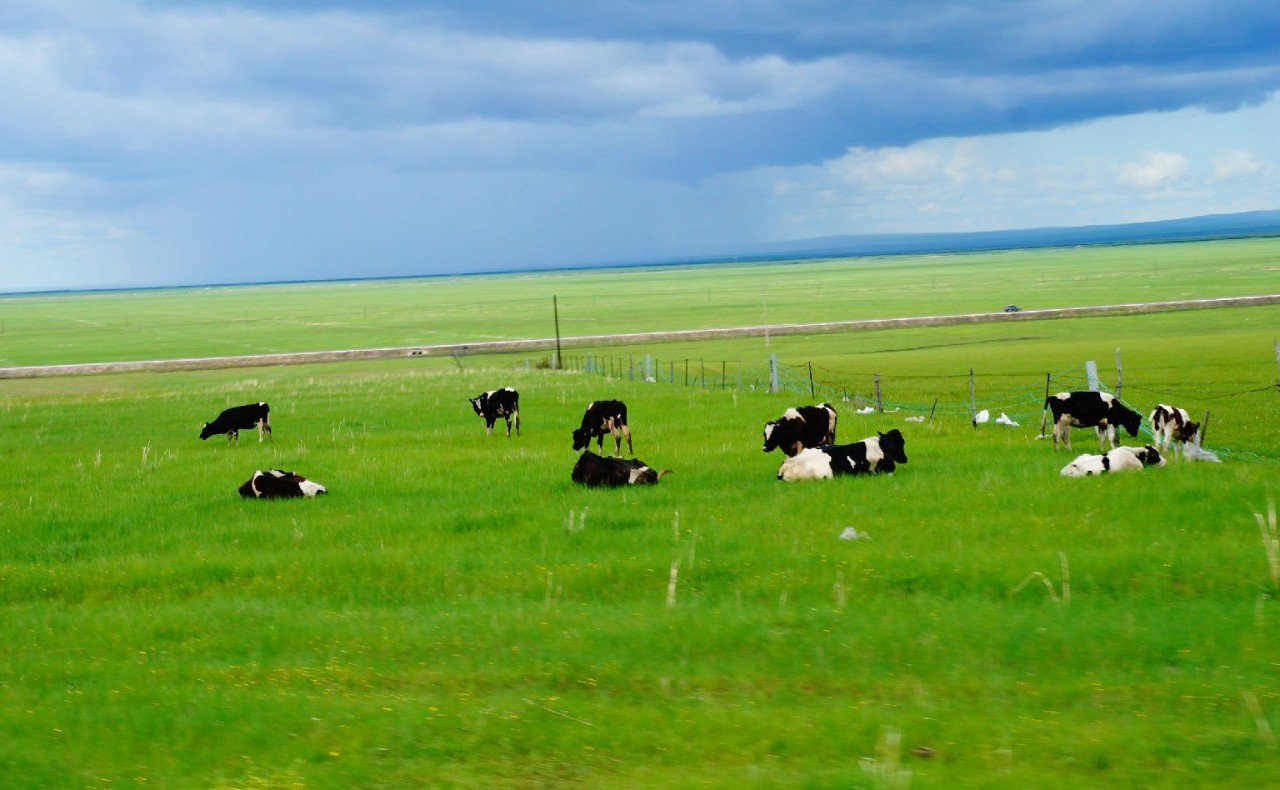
457	613
177	323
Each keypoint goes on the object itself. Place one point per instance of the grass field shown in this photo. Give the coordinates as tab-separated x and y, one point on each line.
457	613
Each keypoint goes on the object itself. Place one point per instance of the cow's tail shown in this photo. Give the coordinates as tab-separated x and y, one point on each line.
665	472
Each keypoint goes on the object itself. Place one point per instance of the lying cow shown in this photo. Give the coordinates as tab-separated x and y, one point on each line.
279	484
601	417
232	421
1098	410
879	454
1171	424
1121	459
807	426
504	403
594	470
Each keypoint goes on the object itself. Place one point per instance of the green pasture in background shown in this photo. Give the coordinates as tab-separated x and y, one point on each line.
219	321
457	613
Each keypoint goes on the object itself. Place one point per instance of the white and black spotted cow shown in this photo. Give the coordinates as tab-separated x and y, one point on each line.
279	484
1171	424
1098	410
594	471
232	421
806	426
1121	459
491	405
603	417
879	454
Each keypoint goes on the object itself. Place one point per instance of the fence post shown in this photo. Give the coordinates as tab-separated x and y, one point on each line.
631	367
1044	415
973	402
702	366
773	372
1278	365
1119	373
589	368
722	374
671	372
879	402
686	372
648	366
812	394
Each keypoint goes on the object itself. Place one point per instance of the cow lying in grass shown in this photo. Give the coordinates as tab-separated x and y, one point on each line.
279	484
1121	459
879	454
594	471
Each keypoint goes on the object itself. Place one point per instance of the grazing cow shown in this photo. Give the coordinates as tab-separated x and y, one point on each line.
1098	410
807	426
879	454
503	403
1171	424
1121	459
232	421
601	417
279	484
594	470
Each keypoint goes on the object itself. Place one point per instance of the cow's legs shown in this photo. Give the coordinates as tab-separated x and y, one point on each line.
1063	427
263	429
515	415
627	433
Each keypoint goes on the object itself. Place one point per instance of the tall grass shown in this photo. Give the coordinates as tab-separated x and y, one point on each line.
456	612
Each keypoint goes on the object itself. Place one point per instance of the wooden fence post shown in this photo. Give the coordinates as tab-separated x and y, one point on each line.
973	402
879	402
812	393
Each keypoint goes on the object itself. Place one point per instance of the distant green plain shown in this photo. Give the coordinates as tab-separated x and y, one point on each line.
457	613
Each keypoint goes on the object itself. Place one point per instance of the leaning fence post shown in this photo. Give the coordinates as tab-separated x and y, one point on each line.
879	402
932	409
1204	426
812	394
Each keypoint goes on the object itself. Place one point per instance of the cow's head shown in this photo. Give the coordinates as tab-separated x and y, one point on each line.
894	446
206	431
1126	417
1149	456
769	443
581	438
1186	432
476	403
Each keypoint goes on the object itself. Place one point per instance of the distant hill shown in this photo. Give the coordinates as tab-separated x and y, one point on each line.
1253	223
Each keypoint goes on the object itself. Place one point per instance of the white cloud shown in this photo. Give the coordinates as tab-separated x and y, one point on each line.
1235	164
1155	169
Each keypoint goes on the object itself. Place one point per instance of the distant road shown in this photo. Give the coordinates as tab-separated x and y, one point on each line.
542	344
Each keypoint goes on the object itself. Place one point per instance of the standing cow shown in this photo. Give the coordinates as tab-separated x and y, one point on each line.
879	454
1098	410
807	426
504	403
601	417
1172	424
238	418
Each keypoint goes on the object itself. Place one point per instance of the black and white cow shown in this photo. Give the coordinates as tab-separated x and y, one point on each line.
1172	424
601	417
279	484
1098	410
1121	459
879	454
232	421
491	405
594	470
806	426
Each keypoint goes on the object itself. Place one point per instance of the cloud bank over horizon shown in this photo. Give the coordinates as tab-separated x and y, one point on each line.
156	143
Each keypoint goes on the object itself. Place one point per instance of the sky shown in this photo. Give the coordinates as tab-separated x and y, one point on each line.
164	142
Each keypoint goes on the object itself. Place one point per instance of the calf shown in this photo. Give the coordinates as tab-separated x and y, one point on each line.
601	417
231	421
1121	459
807	426
1171	424
1098	410
594	470
504	403
279	484
879	454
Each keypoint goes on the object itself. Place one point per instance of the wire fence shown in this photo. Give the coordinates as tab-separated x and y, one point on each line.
869	392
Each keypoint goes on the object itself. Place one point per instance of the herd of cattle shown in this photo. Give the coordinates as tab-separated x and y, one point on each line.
806	435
